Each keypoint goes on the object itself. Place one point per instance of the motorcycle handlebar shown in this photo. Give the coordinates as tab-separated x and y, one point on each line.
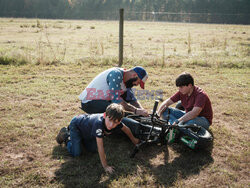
155	107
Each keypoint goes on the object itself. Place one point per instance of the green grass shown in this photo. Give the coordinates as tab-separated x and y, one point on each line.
40	96
12	61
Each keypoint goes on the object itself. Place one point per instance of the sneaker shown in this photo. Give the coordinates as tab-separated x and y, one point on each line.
63	135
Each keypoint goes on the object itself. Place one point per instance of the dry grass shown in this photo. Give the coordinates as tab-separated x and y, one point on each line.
50	41
40	97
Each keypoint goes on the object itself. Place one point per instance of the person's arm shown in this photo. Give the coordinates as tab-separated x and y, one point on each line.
191	114
128	132
127	106
137	104
102	156
131	108
164	105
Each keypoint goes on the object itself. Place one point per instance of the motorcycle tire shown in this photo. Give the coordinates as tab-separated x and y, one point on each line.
203	137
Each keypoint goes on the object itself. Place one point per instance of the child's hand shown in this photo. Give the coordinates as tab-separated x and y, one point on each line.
137	141
109	169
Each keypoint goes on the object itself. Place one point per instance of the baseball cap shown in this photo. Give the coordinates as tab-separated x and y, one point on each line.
142	74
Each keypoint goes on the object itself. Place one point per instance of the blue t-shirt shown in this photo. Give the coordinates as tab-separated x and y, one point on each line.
93	125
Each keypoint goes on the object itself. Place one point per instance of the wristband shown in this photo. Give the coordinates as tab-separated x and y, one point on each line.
177	121
135	110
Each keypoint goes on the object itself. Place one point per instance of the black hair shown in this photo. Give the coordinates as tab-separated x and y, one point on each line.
129	83
115	112
184	79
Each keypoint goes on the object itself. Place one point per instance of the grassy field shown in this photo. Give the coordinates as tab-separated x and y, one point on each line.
45	64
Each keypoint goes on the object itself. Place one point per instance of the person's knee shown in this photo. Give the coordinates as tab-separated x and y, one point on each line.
190	122
206	126
74	149
199	123
85	108
167	112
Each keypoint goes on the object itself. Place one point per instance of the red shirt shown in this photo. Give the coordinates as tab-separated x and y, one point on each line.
198	98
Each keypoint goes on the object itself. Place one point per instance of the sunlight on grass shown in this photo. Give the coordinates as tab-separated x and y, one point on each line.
40	96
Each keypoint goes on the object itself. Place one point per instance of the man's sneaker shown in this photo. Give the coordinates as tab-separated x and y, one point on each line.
63	135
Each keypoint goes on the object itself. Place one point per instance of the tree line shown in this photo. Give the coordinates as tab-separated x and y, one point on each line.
205	11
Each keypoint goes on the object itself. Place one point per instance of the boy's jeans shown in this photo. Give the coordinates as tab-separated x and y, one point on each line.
175	114
75	144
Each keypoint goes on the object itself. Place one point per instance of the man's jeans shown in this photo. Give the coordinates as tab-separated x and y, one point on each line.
99	106
95	106
76	142
175	114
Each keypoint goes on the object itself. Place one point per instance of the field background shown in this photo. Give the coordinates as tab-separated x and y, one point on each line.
45	65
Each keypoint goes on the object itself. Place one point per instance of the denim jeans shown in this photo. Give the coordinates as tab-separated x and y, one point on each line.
132	125
99	106
175	114
76	142
95	106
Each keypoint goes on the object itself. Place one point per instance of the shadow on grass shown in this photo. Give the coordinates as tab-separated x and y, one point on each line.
86	171
188	163
83	171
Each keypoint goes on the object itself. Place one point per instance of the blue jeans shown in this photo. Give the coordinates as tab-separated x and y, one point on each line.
133	125
99	106
76	142
95	106
175	114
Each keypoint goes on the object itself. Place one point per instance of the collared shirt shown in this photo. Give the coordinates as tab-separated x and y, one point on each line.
198	98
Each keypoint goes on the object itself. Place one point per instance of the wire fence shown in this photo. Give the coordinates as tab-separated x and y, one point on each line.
189	17
222	18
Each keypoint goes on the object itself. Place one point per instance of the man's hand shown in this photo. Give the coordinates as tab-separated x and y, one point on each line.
141	111
109	169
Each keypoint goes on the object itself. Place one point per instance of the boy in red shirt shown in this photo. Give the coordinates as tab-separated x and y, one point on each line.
197	105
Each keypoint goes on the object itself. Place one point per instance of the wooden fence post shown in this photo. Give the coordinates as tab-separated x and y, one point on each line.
121	37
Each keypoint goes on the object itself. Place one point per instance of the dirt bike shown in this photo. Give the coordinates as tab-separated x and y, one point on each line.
153	129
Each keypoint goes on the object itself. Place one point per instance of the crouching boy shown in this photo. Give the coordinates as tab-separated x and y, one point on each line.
88	131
